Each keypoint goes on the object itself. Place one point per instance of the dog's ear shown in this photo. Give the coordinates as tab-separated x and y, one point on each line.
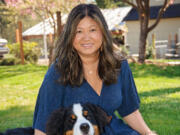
101	117
55	123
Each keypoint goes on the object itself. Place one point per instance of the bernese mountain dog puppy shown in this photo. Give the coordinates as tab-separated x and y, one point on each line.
78	119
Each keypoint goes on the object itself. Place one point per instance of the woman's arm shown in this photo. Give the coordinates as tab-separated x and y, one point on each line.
135	121
38	132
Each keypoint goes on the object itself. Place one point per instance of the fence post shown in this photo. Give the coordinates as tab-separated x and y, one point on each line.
175	42
21	41
153	46
169	41
58	15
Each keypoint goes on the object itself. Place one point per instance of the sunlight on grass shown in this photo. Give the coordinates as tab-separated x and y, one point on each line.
18	89
174	95
158	88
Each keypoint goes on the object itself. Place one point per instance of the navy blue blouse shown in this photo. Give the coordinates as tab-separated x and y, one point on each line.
121	96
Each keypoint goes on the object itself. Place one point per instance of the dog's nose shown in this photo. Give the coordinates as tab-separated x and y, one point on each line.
84	127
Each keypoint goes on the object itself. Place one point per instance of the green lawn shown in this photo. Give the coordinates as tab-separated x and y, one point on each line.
158	87
18	89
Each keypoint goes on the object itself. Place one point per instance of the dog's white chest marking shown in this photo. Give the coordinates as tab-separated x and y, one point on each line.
82	125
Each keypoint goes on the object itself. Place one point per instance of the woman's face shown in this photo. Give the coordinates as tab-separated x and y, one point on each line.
88	38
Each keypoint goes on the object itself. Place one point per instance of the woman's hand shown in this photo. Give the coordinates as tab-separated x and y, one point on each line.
151	133
38	132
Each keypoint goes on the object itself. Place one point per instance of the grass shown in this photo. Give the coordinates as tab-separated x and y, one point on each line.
158	87
159	90
18	89
165	60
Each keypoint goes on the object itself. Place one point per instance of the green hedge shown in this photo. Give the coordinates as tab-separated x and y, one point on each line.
9	61
31	53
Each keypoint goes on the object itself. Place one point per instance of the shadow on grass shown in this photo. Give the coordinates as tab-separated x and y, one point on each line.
149	70
16	116
162	117
159	92
161	113
12	71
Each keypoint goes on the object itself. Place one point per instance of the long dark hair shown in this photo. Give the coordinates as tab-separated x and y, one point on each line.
67	59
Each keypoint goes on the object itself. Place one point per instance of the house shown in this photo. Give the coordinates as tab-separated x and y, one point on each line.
112	16
168	27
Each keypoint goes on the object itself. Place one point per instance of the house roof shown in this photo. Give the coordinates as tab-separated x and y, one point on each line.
112	16
38	29
172	11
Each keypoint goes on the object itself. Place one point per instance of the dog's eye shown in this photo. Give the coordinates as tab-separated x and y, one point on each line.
85	113
72	118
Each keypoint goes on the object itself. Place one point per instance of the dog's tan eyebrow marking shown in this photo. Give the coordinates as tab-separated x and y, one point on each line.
73	117
69	132
85	113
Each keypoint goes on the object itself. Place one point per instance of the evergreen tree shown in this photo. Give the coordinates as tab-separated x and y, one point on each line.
4	19
109	3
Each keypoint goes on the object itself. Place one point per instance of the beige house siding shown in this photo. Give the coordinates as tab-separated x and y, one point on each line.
162	32
160	2
132	38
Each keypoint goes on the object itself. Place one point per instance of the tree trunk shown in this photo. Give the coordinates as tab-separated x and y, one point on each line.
142	46
142	38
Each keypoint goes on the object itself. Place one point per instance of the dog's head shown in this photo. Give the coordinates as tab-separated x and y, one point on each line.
87	119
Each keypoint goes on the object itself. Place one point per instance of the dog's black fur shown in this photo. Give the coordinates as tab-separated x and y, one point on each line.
19	131
58	121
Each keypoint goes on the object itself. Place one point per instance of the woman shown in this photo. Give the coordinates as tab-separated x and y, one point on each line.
86	69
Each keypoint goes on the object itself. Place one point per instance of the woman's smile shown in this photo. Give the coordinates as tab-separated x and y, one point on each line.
87	45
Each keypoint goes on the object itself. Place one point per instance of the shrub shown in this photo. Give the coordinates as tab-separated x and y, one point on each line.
149	50
31	51
9	60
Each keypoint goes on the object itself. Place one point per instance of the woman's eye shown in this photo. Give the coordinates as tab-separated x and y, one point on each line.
93	30
78	31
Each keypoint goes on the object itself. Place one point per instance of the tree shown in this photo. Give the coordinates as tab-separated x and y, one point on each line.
2	1
43	9
143	8
5	20
109	3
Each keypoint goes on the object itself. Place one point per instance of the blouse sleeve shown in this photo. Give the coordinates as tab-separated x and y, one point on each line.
49	99
130	98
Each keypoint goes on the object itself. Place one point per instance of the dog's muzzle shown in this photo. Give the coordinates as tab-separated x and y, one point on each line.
96	130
